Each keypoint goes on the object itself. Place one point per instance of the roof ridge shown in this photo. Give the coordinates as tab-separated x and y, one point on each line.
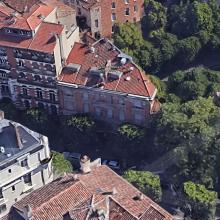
123	207
124	180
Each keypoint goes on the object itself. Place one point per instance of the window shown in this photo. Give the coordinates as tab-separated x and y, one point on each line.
113	4
79	11
24	163
127	12
24	90
13	188
2	208
37	78
27	179
135	8
86	108
126	1
27	104
39	94
20	63
96	23
113	16
121	115
9	170
52	96
2	60
110	113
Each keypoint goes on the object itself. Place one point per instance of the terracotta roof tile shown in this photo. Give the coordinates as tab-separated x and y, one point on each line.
78	198
21	5
132	81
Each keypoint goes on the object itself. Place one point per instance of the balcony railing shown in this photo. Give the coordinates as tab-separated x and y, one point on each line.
27	56
5	66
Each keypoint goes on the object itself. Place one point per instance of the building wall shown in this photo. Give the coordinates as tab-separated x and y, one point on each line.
13	186
113	107
96	16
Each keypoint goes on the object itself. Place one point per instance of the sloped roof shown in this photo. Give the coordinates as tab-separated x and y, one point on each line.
79	197
133	80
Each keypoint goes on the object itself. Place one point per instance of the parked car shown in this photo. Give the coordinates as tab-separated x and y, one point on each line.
114	164
73	157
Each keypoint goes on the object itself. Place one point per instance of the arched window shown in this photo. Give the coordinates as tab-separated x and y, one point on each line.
53	109
26	104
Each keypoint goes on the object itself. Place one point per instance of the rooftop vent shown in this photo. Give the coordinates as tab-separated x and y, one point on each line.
139	197
123	61
131	68
74	67
2	115
115	74
128	78
95	71
92	49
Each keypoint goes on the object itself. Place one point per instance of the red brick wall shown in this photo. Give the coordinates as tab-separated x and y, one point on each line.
106	13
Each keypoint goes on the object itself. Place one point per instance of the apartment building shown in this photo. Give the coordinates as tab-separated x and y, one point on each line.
35	41
101	15
101	80
25	162
96	192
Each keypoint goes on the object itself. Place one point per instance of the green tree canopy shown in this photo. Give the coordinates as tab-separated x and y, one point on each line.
81	123
130	132
195	82
60	164
155	15
202	201
192	127
146	182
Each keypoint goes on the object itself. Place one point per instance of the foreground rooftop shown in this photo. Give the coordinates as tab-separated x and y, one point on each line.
95	195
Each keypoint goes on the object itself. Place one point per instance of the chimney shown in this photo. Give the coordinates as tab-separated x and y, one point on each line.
2	115
114	191
85	164
141	196
28	212
19	142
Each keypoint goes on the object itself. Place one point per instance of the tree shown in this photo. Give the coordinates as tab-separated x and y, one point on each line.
60	164
130	132
202	201
155	15
82	123
190	18
191	127
195	82
161	87
188	48
146	182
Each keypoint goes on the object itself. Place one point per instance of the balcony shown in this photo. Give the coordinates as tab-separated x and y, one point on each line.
30	56
5	66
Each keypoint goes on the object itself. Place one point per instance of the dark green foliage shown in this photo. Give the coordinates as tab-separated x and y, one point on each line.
80	122
155	15
195	82
193	127
146	182
201	200
60	164
188	48
130	132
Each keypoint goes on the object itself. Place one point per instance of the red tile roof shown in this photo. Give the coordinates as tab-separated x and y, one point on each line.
43	40
21	5
81	197
132	81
